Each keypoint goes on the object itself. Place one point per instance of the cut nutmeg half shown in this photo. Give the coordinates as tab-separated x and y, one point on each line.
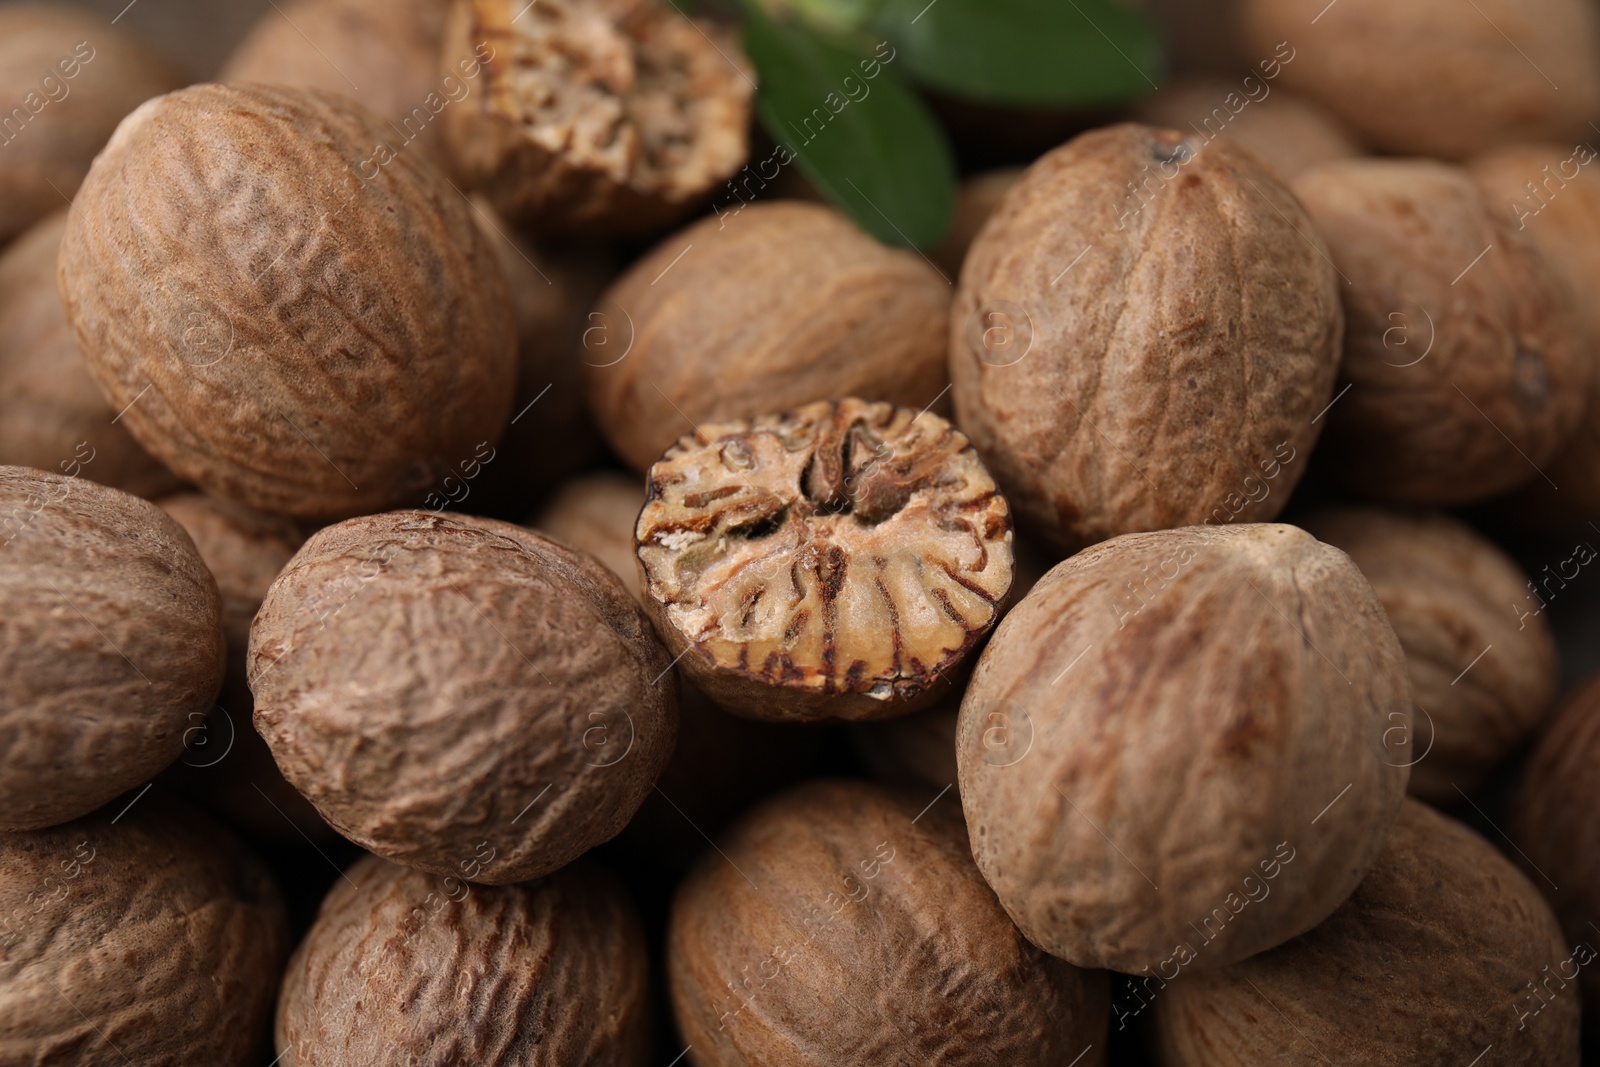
834	561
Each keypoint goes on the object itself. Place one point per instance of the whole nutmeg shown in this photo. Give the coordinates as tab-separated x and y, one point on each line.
1434	77
595	118
147	937
52	414
1556	824
1482	662
111	644
836	561
1444	952
979	198
784	304
443	687
66	79
836	924
1171	720
1289	133
553	973
917	749
1146	325
1466	364
596	514
284	320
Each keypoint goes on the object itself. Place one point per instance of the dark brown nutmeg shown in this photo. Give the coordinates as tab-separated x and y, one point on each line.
835	561
1443	953
111	644
148	937
1170	722
444	688
404	969
1145	326
839	924
778	305
290	320
595	117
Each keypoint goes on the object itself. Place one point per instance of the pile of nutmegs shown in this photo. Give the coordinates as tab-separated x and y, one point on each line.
935	686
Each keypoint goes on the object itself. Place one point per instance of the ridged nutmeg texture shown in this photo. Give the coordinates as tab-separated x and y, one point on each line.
835	561
835	924
1556	823
1444	951
290	318
402	968
1467	362
1146	323
780	305
1185	746
1481	659
595	117
446	689
111	644
153	939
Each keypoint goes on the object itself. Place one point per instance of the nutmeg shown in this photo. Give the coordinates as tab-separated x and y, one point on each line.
1466	366
430	681
979	198
111	646
1443	953
554	972
287	320
1146	324
596	514
838	924
1168	716
1481	660
780	305
1289	133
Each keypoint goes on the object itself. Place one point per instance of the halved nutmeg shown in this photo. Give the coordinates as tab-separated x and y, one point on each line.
834	561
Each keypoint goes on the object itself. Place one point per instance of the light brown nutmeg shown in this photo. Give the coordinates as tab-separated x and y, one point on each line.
403	969
836	924
595	117
783	304
1555	822
52	414
287	322
836	561
111	645
1145	327
1435	77
980	197
439	686
1482	662
1444	951
157	940
66	79
596	514
1166	717
1466	363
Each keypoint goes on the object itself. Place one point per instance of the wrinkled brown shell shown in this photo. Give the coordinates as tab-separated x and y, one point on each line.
45	154
1556	822
52	414
1289	133
835	925
1466	374
979	198
1481	659
1429	964
145	938
383	54
839	560
596	116
110	645
782	305
404	969
1147	376
282	331
433	681
1436	77
1170	710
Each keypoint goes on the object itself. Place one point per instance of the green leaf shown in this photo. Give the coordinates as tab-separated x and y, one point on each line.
1025	53
868	142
